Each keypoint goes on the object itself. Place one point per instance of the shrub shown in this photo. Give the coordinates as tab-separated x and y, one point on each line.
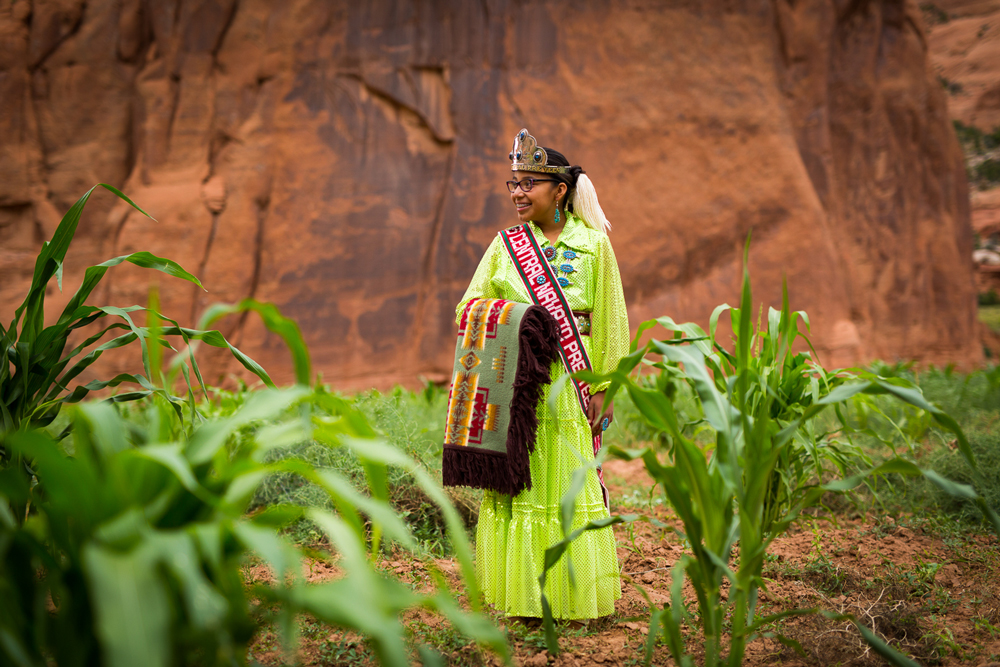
975	140
918	494
988	170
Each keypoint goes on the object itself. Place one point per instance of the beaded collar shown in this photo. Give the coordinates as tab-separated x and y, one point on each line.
574	233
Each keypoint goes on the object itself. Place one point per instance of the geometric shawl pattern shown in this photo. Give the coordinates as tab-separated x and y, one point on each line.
502	359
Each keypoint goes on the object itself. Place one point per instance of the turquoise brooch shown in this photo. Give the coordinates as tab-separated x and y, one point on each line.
567	268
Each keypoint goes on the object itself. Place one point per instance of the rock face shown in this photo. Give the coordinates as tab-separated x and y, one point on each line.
964	48
964	42
346	160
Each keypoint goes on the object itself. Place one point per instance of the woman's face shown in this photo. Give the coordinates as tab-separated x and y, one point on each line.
539	204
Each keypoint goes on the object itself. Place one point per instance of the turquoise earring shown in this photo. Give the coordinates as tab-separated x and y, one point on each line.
557	212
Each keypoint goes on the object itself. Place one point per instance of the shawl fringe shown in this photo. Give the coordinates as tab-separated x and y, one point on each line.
484	469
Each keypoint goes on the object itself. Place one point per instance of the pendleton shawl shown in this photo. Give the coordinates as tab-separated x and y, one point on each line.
502	361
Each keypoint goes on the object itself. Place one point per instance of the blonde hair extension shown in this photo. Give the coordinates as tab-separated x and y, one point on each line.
586	206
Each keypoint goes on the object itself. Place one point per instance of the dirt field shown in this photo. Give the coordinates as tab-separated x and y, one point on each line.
935	598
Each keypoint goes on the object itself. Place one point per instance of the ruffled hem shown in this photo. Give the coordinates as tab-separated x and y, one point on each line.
513	533
510	553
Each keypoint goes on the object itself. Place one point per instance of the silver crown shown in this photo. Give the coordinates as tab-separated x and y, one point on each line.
527	155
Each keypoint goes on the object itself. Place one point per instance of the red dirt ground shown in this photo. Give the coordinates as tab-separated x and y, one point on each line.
935	598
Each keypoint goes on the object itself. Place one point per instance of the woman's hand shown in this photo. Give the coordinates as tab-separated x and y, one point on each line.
597	412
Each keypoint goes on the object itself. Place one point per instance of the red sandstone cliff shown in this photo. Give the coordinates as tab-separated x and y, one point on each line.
964	43
346	160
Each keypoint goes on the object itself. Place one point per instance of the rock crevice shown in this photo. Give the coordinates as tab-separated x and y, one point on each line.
347	161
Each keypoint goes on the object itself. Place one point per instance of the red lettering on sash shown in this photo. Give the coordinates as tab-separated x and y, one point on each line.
524	255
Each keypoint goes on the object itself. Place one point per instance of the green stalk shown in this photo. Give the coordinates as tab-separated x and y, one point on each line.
737	642
712	644
376	542
767	462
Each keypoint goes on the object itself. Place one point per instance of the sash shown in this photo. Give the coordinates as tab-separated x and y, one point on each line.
544	289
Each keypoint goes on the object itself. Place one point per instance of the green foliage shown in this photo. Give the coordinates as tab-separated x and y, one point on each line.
123	542
969	398
877	424
629	429
39	365
974	400
412	422
344	652
277	323
980	152
974	140
919	493
132	552
987	171
767	464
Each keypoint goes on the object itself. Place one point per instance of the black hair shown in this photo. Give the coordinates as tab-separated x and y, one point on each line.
557	159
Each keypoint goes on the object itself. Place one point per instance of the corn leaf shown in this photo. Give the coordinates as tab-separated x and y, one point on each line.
276	323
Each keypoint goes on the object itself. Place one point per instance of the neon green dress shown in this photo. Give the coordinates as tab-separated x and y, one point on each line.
513	533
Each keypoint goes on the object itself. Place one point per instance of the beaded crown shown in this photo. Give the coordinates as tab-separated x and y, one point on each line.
527	155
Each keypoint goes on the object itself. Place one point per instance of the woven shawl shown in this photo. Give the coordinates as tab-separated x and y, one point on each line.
502	361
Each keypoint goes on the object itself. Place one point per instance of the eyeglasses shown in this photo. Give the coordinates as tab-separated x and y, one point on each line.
528	183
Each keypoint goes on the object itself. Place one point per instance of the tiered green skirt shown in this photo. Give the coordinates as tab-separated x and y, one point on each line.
513	532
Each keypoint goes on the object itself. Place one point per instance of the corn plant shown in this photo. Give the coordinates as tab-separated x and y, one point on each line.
122	542
39	364
133	550
764	468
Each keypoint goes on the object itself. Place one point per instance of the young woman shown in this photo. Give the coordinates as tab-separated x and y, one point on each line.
559	205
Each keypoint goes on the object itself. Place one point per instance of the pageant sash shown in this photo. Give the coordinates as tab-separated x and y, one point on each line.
543	287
